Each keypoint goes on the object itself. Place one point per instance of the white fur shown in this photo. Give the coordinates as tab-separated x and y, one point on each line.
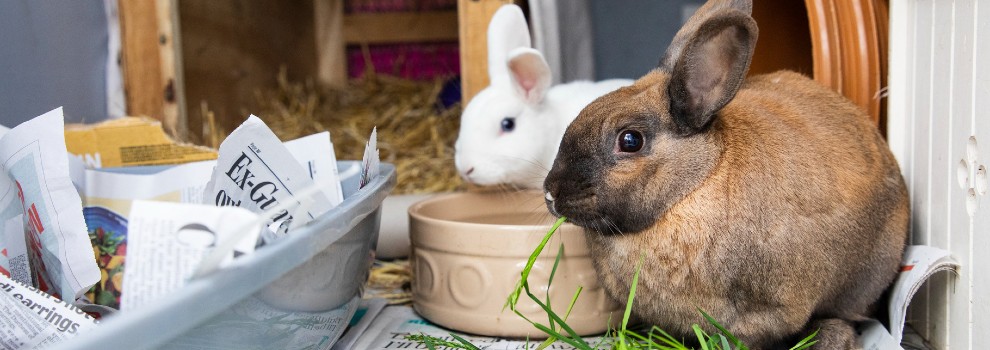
520	88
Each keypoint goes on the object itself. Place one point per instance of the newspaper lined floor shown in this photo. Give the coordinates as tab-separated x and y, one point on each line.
252	324
390	328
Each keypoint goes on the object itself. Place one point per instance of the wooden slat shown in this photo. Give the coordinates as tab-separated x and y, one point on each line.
474	16
139	55
331	49
378	28
170	54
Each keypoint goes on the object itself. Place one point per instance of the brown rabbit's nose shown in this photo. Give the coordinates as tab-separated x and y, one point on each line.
551	205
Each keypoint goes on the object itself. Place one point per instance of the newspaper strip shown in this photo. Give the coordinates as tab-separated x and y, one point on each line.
365	315
15	252
874	336
315	153
370	164
34	157
252	324
395	323
255	171
919	263
167	241
31	319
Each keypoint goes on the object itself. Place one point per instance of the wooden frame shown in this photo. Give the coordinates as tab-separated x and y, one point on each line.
335	30
848	40
152	54
474	16
150	59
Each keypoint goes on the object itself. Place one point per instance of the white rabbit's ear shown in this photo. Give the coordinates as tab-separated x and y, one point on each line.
530	74
506	31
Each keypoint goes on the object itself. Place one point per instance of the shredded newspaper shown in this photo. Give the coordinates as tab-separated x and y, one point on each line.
370	165
167	241
33	319
37	184
256	171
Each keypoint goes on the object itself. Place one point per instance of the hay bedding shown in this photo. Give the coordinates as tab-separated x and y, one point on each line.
414	133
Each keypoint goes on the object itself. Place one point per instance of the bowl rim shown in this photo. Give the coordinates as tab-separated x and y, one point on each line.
414	213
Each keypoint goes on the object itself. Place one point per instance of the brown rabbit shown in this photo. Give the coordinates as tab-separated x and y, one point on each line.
773	203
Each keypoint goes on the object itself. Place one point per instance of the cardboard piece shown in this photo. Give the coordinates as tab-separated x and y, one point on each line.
130	141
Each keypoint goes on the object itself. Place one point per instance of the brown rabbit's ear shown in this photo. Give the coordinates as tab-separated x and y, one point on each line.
710	69
700	16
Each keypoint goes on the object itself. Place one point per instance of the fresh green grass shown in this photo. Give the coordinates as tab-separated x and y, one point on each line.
623	338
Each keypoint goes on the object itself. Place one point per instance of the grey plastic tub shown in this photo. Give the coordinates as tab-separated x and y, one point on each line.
357	219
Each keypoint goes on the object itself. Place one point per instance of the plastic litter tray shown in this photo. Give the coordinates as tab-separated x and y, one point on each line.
357	219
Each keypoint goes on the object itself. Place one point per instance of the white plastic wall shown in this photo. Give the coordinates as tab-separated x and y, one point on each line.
939	130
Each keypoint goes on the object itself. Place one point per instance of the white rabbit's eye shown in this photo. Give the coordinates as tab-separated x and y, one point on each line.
508	124
630	141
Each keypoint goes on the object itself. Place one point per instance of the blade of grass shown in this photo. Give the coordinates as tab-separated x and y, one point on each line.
806	342
735	341
566	314
546	343
553	271
667	338
431	342
629	302
725	342
554	316
575	342
650	344
514	296
573	301
463	341
702	336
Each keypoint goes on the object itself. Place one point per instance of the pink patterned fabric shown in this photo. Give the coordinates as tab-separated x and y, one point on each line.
420	61
398	5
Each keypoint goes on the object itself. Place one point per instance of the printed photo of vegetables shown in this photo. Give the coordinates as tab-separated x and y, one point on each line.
108	234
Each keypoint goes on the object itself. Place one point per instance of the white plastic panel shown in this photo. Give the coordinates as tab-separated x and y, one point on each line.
939	128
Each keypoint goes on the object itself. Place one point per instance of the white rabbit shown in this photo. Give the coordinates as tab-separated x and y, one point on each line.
511	130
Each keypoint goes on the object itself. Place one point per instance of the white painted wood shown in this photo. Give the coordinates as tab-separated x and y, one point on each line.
979	262
939	98
902	113
958	226
920	154
939	164
900	121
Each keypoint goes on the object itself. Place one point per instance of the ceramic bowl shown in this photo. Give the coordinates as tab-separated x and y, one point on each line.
468	250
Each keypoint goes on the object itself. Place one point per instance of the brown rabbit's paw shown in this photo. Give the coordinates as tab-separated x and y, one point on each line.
833	334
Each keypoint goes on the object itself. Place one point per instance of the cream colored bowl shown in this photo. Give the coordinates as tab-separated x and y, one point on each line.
468	250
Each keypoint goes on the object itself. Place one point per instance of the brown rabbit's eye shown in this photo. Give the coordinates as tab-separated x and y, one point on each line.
630	141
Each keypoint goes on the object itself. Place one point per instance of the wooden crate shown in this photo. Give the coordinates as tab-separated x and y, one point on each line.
177	54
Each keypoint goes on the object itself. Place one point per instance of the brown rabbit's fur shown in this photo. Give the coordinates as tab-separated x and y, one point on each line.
784	213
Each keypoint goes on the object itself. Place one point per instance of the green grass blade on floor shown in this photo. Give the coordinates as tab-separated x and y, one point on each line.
807	342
